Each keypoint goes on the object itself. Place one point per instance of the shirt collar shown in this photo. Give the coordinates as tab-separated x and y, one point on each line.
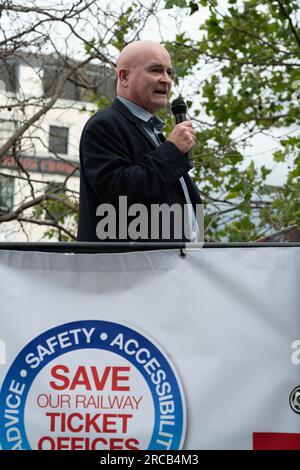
141	113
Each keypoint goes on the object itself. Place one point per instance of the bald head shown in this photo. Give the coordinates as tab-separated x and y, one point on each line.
144	72
136	51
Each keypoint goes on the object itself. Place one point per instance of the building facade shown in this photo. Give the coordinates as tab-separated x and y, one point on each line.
45	158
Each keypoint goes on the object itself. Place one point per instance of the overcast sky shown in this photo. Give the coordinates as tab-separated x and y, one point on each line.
166	25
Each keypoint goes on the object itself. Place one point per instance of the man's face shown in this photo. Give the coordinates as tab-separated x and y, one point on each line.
149	81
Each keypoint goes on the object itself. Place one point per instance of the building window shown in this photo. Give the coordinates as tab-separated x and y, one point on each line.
55	209
7	187
51	75
82	85
9	76
7	128
58	139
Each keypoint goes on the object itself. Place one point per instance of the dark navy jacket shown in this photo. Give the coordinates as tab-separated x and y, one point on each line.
118	157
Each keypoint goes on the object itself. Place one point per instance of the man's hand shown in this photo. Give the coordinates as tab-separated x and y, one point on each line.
183	136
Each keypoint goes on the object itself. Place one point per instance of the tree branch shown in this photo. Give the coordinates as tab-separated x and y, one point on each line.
292	27
254	35
45	108
6	217
47	223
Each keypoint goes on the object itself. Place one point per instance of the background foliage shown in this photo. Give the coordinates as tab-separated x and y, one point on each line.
240	76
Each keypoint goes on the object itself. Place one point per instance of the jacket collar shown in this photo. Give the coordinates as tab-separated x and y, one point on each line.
120	107
131	117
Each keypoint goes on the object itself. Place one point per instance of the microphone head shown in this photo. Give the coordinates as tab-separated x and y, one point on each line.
178	106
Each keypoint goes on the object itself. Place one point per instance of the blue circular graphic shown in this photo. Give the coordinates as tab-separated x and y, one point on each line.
162	379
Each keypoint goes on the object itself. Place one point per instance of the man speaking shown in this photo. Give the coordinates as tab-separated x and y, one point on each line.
126	164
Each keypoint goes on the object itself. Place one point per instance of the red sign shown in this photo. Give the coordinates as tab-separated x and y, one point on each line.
41	165
276	441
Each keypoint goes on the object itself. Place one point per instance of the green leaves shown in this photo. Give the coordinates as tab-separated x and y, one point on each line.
126	23
251	50
176	3
243	72
279	156
193	7
90	45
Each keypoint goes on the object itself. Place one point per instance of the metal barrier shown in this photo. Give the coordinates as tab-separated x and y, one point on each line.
87	247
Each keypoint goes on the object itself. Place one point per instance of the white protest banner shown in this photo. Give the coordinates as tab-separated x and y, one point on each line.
150	350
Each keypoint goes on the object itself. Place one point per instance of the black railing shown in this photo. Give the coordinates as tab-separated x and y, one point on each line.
87	247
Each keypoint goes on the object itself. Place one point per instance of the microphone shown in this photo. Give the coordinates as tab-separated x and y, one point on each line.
179	109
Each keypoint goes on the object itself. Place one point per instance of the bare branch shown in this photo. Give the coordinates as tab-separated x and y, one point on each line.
47	223
292	27
45	108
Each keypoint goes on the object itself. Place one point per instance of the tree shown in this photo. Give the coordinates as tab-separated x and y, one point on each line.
48	39
241	78
251	51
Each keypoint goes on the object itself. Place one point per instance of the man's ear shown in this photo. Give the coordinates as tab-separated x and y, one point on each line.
123	74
